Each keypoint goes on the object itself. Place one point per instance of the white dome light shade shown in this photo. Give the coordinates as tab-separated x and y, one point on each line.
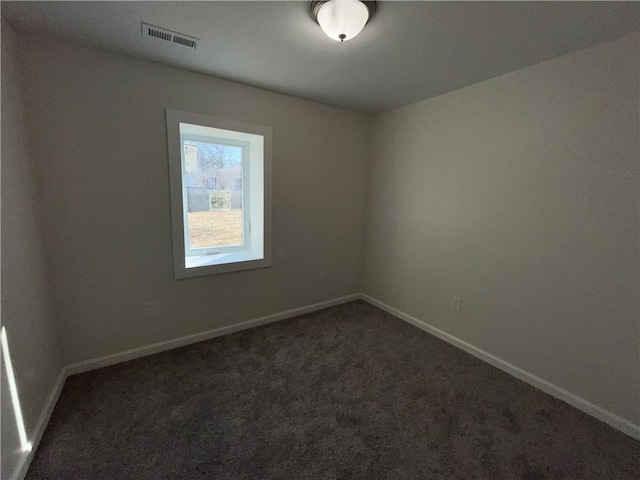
342	19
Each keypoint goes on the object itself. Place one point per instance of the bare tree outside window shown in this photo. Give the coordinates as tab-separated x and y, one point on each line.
213	157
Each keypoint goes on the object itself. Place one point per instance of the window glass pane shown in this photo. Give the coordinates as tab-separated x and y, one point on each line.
212	175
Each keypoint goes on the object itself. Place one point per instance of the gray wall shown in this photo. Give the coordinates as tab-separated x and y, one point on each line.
100	141
26	307
520	194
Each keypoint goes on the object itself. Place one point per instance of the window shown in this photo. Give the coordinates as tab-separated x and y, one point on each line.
220	181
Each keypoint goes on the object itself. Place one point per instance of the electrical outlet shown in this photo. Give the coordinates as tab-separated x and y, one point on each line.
456	304
149	309
321	278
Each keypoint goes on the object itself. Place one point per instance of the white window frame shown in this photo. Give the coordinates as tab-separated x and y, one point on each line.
246	202
256	172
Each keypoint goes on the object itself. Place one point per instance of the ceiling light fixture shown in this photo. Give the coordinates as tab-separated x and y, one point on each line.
342	19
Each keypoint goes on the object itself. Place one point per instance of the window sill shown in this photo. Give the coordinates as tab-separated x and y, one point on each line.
221	263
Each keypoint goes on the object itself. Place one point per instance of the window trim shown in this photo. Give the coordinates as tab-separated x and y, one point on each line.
233	260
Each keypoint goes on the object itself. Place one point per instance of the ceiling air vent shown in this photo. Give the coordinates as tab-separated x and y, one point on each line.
169	36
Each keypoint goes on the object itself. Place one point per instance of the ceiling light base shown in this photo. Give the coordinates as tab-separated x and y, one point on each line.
316	4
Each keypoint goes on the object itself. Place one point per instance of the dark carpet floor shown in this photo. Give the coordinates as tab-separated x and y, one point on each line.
346	393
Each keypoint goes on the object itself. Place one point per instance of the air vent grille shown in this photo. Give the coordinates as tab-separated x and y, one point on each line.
185	41
169	36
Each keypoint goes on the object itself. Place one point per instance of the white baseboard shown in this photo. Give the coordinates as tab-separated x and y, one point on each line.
21	468
580	403
107	360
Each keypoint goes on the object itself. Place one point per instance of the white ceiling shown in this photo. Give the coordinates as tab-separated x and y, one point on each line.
410	51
